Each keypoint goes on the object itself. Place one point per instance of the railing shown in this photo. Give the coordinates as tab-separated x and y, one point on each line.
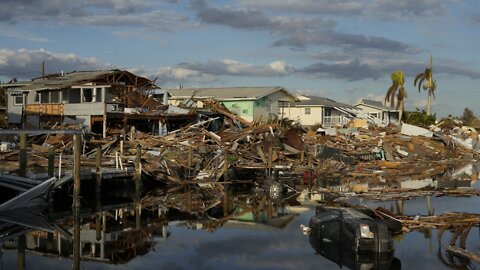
332	121
43	109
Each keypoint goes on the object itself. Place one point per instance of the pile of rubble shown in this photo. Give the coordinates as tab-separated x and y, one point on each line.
226	147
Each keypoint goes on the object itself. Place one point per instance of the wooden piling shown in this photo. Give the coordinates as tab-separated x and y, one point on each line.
98	192
98	225
138	164
51	162
121	147
138	213
21	246
76	201
23	155
98	167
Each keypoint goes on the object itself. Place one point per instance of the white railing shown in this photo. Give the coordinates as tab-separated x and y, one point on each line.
332	121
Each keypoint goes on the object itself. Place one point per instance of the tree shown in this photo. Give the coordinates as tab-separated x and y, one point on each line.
398	81
425	81
419	118
468	116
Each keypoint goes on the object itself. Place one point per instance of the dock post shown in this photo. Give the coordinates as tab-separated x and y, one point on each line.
138	164
21	245
98	192
23	155
137	179
51	162
121	147
104	126
98	168
138	207
76	200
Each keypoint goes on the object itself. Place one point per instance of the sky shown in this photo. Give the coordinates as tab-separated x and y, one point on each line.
343	49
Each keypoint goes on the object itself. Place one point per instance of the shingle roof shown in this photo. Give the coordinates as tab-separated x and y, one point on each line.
226	93
374	103
322	101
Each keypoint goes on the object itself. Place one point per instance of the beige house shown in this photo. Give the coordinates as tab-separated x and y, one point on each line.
250	103
377	110
313	110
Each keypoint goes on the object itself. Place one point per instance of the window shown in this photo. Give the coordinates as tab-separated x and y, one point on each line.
98	95
74	96
65	93
268	105
55	97
308	110
87	94
18	100
374	114
44	98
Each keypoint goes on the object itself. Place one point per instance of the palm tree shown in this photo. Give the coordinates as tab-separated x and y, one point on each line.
398	81
425	80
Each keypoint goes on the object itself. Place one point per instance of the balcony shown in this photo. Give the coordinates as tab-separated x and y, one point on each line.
333	121
43	109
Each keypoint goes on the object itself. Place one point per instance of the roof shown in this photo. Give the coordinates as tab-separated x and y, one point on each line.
229	93
375	104
14	84
321	101
57	81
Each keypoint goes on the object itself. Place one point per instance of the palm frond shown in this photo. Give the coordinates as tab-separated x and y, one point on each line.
418	77
389	97
420	83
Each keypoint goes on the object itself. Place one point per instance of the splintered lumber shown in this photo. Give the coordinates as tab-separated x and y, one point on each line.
460	252
447	220
219	108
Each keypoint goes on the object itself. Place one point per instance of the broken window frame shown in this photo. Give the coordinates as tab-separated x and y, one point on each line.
87	95
98	94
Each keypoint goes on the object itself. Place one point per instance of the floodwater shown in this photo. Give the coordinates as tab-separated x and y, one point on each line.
199	229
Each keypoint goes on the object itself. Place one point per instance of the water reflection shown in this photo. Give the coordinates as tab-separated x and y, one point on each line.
121	224
117	227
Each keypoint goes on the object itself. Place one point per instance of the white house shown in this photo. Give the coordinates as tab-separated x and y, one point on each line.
313	110
377	110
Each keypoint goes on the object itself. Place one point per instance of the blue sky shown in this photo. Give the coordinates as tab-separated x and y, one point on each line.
343	49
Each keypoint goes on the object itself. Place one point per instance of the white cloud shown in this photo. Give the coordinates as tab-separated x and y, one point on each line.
154	15
26	64
215	70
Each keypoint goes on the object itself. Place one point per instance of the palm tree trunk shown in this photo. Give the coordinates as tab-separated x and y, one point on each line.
429	103
400	111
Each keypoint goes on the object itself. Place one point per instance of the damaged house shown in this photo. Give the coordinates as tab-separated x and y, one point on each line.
250	103
94	99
